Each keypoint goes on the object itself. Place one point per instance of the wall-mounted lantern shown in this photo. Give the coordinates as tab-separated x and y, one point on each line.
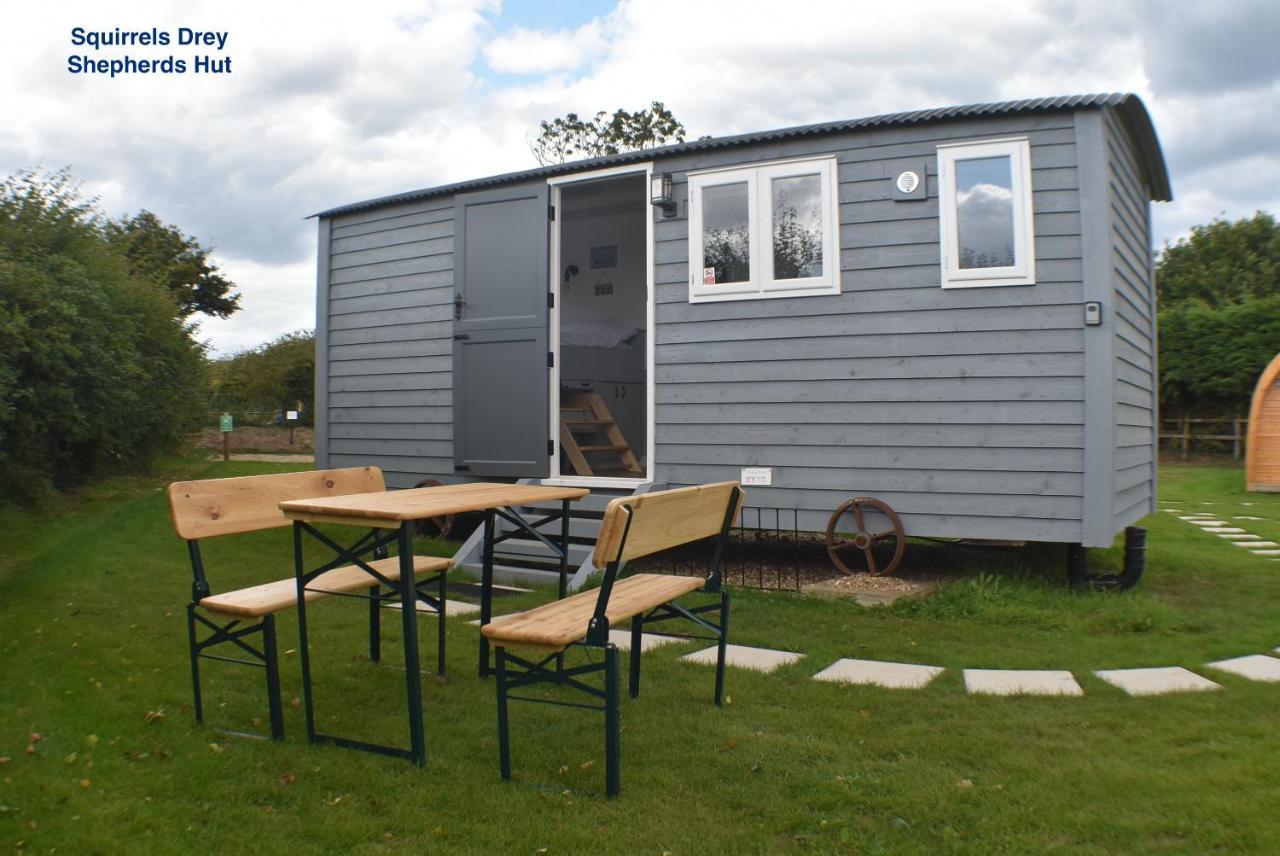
660	194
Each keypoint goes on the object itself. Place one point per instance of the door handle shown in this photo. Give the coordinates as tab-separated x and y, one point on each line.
458	303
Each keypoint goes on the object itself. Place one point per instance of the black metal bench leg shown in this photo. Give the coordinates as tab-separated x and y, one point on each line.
721	645
272	656
504	738
443	598
375	624
612	727
637	628
195	663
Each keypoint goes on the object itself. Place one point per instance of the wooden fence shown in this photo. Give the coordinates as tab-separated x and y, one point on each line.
1182	433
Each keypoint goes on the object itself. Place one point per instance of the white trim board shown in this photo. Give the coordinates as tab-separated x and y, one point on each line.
553	332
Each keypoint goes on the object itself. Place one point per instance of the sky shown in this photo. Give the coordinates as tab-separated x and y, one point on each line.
332	103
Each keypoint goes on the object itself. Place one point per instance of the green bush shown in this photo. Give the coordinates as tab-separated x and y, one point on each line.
97	373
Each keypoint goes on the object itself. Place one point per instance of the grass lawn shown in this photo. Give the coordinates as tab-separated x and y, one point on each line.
93	660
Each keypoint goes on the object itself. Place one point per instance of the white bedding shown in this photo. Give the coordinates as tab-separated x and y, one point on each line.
598	333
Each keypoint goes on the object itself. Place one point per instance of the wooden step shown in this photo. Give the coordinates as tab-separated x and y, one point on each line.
616	448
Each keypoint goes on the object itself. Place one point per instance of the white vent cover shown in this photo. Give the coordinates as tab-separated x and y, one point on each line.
908	181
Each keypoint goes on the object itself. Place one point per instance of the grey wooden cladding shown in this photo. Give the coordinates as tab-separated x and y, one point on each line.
389	357
1132	281
961	402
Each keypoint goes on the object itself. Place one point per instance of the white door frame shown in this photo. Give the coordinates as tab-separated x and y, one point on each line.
554	478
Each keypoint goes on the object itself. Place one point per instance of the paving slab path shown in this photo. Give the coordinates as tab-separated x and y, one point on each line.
1156	680
1021	682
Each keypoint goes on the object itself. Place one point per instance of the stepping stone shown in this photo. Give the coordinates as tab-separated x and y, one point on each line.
1222	530
898	676
451	608
1192	518
648	641
1157	680
1020	682
1247	517
1266	552
1244	537
1206	523
1255	544
760	659
1255	667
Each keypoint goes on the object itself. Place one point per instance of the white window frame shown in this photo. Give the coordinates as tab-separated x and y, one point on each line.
1023	270
759	181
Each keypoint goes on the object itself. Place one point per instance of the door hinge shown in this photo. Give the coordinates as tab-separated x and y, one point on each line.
551	447
551	300
551	359
551	212
461	468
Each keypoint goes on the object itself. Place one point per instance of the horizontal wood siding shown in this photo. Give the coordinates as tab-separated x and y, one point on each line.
1133	302
963	409
389	352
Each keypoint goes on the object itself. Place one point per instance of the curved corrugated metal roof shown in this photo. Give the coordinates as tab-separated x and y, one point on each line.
1130	107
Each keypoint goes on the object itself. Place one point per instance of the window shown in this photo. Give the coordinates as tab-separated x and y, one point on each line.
984	214
764	231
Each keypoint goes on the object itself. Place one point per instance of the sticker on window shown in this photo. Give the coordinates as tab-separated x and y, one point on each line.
708	276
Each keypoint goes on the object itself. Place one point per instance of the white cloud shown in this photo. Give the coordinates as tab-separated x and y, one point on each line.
525	51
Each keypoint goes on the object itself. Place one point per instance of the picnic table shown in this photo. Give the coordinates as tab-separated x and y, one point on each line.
397	512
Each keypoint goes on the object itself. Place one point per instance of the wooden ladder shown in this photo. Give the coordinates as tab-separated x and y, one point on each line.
586	413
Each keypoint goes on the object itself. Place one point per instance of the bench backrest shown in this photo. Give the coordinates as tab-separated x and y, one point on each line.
664	519
211	507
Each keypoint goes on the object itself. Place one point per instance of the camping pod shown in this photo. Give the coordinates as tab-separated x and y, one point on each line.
1262	453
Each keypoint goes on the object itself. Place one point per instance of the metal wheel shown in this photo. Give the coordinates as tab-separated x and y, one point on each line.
865	541
433	527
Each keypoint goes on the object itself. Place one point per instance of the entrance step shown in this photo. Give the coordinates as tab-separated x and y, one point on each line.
525	560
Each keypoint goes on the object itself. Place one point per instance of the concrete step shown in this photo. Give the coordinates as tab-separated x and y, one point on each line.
529	548
513	574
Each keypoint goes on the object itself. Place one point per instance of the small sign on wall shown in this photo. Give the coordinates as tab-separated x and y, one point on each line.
757	476
604	257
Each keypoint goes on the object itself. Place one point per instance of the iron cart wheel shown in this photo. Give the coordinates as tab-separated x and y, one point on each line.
433	527
864	540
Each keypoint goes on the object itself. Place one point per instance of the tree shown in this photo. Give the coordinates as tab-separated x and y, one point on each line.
570	137
1219	318
270	378
97	375
179	263
1223	262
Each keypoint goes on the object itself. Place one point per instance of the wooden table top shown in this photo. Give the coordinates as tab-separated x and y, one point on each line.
391	508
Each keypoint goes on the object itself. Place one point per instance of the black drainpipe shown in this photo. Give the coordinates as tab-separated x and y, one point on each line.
1135	562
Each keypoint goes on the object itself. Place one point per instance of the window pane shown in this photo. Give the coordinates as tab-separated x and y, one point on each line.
797	227
726	245
984	212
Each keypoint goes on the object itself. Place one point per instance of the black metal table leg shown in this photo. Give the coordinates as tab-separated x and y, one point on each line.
486	590
303	648
413	677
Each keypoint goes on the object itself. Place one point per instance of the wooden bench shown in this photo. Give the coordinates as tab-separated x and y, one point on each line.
633	527
216	507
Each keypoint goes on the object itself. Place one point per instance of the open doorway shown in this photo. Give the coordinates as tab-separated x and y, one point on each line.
601	335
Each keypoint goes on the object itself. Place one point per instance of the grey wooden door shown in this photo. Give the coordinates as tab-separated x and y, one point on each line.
501	408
